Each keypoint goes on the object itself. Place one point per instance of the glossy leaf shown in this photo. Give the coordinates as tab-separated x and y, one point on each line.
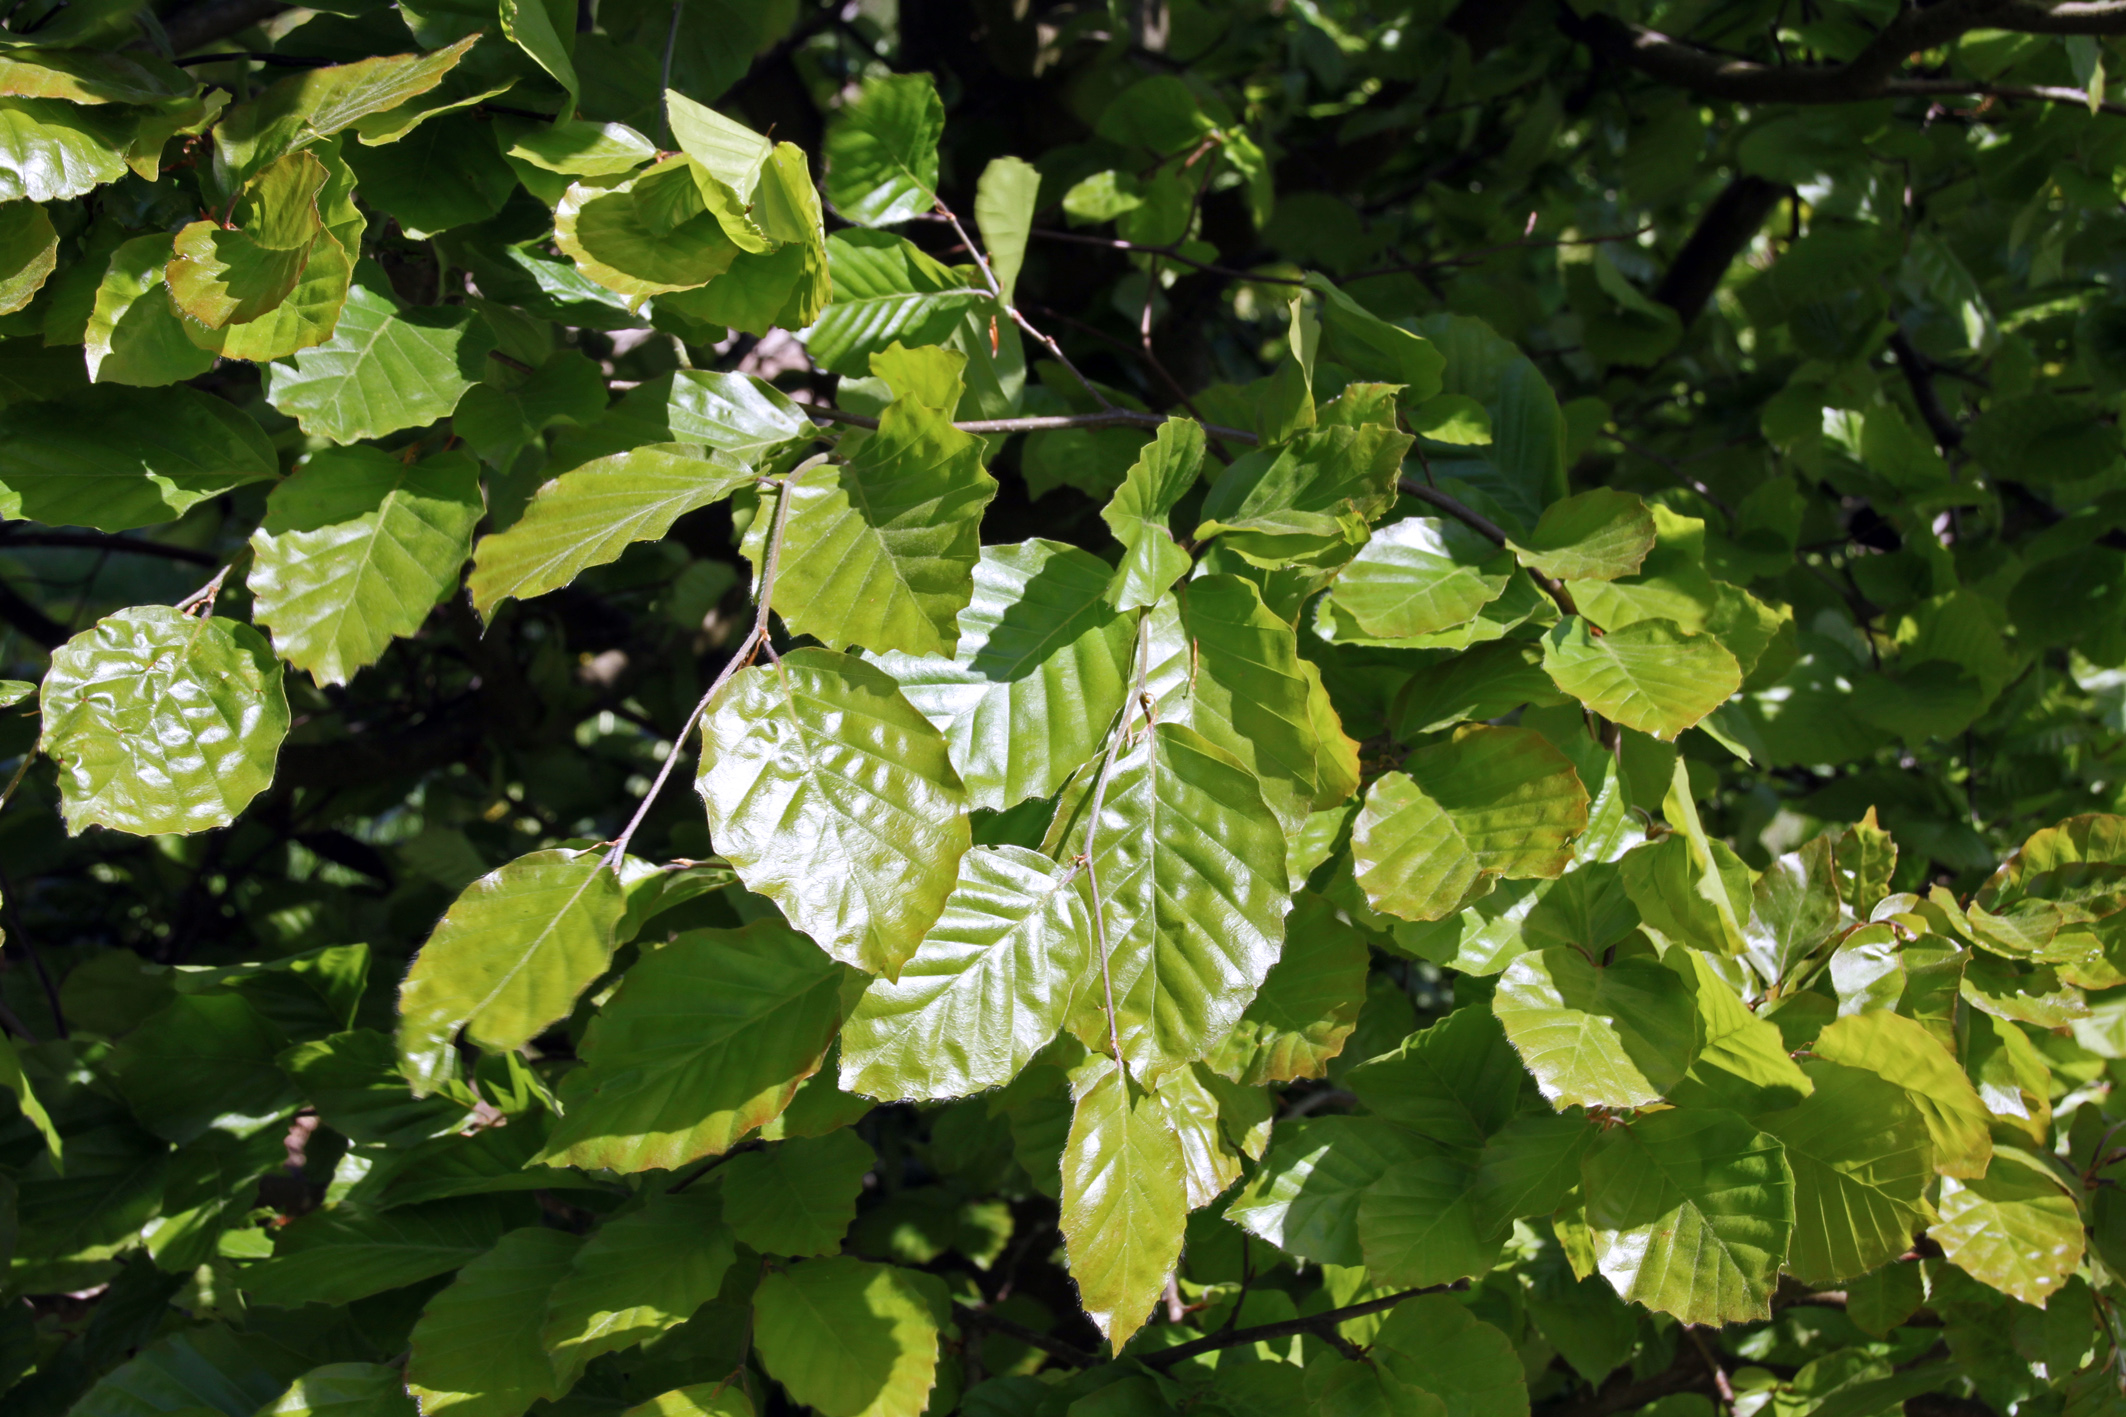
1419	575
2015	1228
1598	536
475	1351
1124	1201
1308	1004
115	458
1618	1035
1649	675
382	370
1901	1051
850	1338
1862	1161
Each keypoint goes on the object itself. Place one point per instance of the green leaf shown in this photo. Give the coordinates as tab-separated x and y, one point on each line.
356	548
1308	500
530	26
194	1372
987	988
443	175
1530	1167
2015	1228
638	1275
1742	1061
1140	511
882	151
197	1062
503	417
850	1338
135	333
222	274
615	235
353	1081
16	1081
29	253
1125	1205
1793	910
830	795
591	514
475	1351
722	1398
51	150
1619	1035
707	1038
382	370
1901	1051
886	291
1435	1343
1649	675
162	723
1041	667
316	103
1373	348
1004	202
739	415
1308	1003
1419	1226
89	76
798	1197
1492	802
339	1254
345	1390
1305	1198
1455	1083
1597	535
1420	575
1692	1212
1189	867
115	459
508	959
880	551
1862	1162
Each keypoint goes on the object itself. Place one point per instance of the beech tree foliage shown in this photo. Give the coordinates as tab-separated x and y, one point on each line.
1393	708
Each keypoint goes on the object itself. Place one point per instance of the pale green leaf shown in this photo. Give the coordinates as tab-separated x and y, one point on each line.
637	1275
1306	501
51	150
316	103
222	274
985	991
530	26
475	1351
886	291
1649	675
1862	1161
383	369
161	722
798	1197
1125	1205
739	415
89	76
508	959
1189	1109
722	1398
1139	514
356	548
882	150
1004	202
1597	535
830	795
849	1338
1418	576
135	333
115	459
2015	1228
629	238
29	253
1040	670
1903	1052
706	1039
1692	1212
591	514
1618	1035
1308	1003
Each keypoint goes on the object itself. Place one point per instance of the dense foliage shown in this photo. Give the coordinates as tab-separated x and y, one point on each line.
1397	709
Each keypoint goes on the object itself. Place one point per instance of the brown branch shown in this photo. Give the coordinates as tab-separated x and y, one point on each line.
210	20
1289	1328
1726	227
1054	1347
103	541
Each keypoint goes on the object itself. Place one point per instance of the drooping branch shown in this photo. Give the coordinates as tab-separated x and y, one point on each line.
1726	227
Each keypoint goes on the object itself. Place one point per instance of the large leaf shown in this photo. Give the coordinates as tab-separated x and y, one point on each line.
317	103
799	1196
1125	1206
1691	1213
706	1039
160	722
338	1255
1619	1035
196	1061
1434	1342
135	334
508	958
1455	1083
850	1338
476	1351
2016	1228
1420	1225
1901	1051
1649	675
345	1390
1597	535
233	273
626	237
1040	670
51	150
1862	1162
356	548
637	1275
886	291
1140	512
1308	500
1306	1196
589	515
1189	868
985	991
1308	1004
115	459
882	151
383	369
880	550
739	415
1420	575
834	798
196	1372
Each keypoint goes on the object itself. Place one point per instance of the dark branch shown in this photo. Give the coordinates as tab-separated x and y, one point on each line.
209	20
1919	376
1054	1347
103	541
1689	1373
1288	1328
27	619
1726	227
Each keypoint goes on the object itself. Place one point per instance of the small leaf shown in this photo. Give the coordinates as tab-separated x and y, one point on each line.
508	959
1139	512
986	990
1614	1036
886	292
850	1338
316	103
29	253
798	1197
475	1351
1004	202
833	797
51	150
590	515
1649	675
882	151
16	1081
1692	1212
382	370
629	238
356	548
222	274
639	1274
1124	1202
161	722
135	333
2015	1228
706	1039
1597	535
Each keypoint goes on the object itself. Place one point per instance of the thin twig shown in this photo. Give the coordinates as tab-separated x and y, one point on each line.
996	290
203	598
1289	1328
1108	418
1052	1346
740	657
664	85
1092	875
